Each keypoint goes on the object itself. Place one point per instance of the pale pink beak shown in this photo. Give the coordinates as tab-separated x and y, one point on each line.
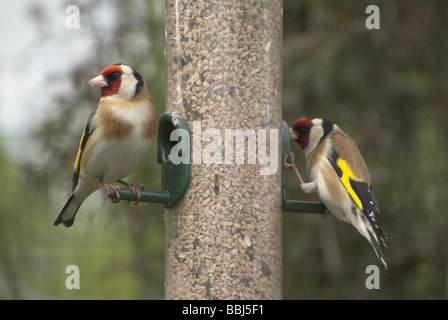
99	81
293	134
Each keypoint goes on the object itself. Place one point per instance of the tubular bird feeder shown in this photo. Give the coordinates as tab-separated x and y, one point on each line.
223	60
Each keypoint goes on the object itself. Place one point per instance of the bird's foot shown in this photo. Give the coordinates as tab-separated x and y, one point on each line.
325	214
287	165
134	188
116	189
292	165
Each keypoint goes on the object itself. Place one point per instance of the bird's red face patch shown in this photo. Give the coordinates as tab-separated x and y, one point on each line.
112	74
302	127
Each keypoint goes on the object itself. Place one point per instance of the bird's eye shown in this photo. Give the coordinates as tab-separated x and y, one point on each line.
113	76
305	128
116	75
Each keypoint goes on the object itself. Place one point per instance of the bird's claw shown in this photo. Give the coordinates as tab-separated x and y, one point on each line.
134	189
292	157
109	187
292	165
117	191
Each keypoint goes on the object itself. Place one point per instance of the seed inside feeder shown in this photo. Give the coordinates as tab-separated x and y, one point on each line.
224	72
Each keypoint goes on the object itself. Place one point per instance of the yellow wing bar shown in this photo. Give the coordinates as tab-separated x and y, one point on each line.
78	157
345	179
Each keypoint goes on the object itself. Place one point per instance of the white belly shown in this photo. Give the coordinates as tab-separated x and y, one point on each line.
112	160
336	200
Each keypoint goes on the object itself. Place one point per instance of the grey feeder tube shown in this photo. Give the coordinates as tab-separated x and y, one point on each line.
223	239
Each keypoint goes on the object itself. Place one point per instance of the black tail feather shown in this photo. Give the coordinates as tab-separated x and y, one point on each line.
67	222
377	248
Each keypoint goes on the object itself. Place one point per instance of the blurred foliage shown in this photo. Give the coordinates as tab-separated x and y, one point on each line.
387	88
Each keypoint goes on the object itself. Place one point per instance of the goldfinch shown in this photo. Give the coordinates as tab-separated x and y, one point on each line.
339	175
118	136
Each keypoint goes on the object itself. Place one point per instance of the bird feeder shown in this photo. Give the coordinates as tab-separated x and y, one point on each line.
223	60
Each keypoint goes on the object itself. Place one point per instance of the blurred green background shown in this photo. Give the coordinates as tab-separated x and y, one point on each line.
387	88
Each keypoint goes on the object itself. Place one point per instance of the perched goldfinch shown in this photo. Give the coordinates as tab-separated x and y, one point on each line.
118	136
340	177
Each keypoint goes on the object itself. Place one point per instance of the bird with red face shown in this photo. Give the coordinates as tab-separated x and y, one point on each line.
118	136
340	176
